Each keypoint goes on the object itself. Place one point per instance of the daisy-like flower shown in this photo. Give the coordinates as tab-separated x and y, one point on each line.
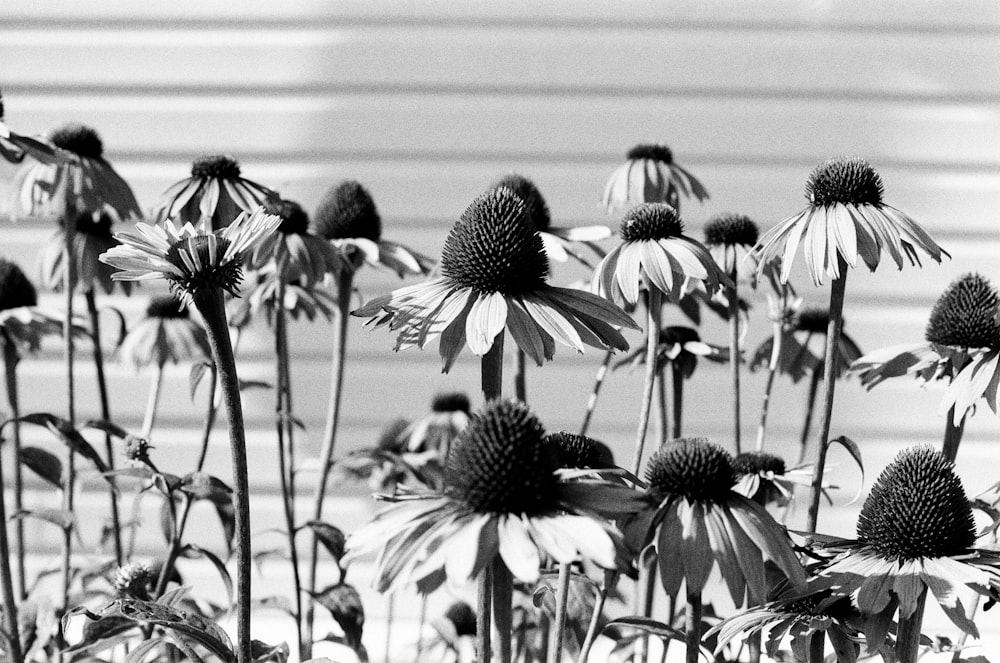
84	183
14	146
678	346
191	259
438	431
166	333
347	216
559	242
21	323
297	254
765	478
389	464
696	521
216	192
493	270
502	499
656	251
650	176
846	218
299	301
92	236
915	533
729	238
803	349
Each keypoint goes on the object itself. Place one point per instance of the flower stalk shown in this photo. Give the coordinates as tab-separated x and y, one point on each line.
654	312
908	632
11	360
69	350
692	631
492	370
602	373
10	624
484	600
734	356
503	590
562	600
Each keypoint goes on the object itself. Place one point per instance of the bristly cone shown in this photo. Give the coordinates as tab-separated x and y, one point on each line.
693	468
347	211
917	509
217	166
294	219
754	462
845	181
80	140
654	151
650	221
730	229
580	451
454	401
966	314
538	210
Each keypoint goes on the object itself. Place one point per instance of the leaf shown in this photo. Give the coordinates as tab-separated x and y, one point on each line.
43	463
108	427
122	327
191	551
227	516
656	628
62	519
344	603
62	429
198	370
186	624
331	537
261	652
254	384
142	650
203	486
852	448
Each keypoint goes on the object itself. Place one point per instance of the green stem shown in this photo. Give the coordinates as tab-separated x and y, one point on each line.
678	384
692	632
595	616
814	379
344	289
7	583
390	616
212	308
653	310
602	373
646	593
176	540
663	412
421	622
492	370
562	600
153	402
503	591
11	359
830	379
734	357
69	287
210	414
520	376
484	600
102	391
772	370
908	632
952	436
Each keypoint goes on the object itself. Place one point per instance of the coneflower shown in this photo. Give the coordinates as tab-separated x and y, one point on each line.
650	175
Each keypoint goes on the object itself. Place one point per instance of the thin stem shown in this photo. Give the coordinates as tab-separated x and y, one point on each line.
678	412
176	540
602	373
908	632
963	636
772	369
69	288
421	622
814	379
646	593
503	590
692	632
344	289
817	647
562	600
389	618
653	310
595	616
492	370
212	410
830	378
153	402
7	583
520	376
952	436
663	412
212	308
734	357
11	359
484	600
102	391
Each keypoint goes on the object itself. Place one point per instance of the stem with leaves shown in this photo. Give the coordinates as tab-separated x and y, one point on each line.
654	312
610	577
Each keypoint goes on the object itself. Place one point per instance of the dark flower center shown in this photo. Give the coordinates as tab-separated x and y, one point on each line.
846	181
294	219
451	402
389	439
917	508
347	211
650	221
495	248
500	463
813	320
15	288
93	224
166	307
654	151
754	462
693	468
731	229
80	140
965	314
462	616
216	165
538	211
212	274
678	335
580	451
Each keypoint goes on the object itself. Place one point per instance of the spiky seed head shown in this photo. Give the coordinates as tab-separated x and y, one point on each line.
730	229
580	451
965	315
390	439
218	166
815	320
495	248
294	219
95	224
15	288
136	449
538	210
133	580
693	468
454	401
845	181
500	463
754	462
80	140
213	273
650	221
347	211
462	617
166	307
655	151
917	508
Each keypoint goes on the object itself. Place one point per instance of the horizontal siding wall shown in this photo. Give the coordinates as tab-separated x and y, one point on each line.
427	102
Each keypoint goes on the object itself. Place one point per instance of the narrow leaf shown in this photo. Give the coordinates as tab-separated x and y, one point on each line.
43	463
852	448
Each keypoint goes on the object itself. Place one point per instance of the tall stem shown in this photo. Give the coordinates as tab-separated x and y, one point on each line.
663	412
678	384
830	379
595	616
772	369
484	612
210	414
814	379
692	633
153	402
562	600
492	370
734	357
344	289
602	373
503	591
7	584
212	308
11	359
908	632
952	436
69	288
520	376
653	312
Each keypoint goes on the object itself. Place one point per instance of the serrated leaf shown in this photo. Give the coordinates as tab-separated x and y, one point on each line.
331	537
852	448
43	463
344	603
198	370
191	551
65	431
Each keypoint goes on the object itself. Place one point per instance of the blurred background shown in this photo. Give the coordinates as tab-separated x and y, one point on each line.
427	102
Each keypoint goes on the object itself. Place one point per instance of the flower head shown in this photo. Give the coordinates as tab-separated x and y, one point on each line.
766	479
267	292
92	236
21	323
965	315
846	218
438	430
293	253
803	349
501	497
493	269
729	238
165	333
215	192
655	251
915	533
191	259
679	346
580	451
133	581
348	218
650	175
